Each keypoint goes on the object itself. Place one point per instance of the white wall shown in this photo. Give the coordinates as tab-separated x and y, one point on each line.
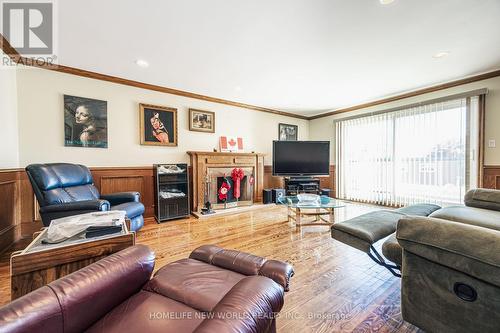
41	131
9	146
323	128
41	134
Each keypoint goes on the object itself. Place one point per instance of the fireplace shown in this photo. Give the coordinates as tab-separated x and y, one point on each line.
214	166
218	175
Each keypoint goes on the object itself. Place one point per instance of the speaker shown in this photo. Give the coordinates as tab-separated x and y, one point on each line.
325	191
277	193
267	196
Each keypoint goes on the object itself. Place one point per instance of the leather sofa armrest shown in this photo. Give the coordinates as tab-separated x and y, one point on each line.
245	263
76	301
90	293
39	311
470	249
278	271
250	306
121	197
84	205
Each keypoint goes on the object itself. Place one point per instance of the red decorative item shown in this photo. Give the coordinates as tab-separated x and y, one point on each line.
224	188
237	176
251	180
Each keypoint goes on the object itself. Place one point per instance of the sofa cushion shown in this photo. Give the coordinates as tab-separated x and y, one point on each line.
470	215
149	312
362	231
132	209
250	306
245	263
367	228
419	209
194	283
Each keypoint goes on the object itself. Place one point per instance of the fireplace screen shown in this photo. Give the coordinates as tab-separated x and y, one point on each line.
218	176
230	194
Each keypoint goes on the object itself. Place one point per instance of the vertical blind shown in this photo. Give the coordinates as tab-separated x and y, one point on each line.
425	153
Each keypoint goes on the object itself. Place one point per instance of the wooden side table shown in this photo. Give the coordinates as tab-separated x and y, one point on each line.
39	264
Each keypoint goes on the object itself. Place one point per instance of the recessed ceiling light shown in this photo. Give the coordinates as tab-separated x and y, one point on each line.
142	63
441	54
386	2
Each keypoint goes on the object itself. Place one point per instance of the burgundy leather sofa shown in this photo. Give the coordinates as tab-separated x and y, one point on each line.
214	290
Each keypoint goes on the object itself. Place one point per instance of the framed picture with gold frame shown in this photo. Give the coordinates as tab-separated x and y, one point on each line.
201	121
157	125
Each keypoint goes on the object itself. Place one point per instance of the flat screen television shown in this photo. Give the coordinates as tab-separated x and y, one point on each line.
301	158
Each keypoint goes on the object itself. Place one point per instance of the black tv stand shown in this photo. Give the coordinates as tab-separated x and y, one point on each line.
301	184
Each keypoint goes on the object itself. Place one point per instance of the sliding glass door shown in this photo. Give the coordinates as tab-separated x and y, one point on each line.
423	153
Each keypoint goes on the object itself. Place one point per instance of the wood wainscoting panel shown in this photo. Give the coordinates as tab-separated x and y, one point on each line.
9	209
8	193
123	179
271	181
30	217
329	182
114	184
491	176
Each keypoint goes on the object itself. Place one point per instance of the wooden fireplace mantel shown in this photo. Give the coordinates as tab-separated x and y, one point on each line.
201	161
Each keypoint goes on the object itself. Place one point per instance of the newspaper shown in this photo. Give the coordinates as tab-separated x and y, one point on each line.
67	227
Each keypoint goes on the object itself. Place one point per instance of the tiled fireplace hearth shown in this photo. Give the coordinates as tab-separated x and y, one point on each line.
216	166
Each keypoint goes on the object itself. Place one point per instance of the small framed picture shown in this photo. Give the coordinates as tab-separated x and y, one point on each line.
287	132
157	125
85	122
201	121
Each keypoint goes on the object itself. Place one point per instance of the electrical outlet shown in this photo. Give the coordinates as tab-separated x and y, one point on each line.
492	143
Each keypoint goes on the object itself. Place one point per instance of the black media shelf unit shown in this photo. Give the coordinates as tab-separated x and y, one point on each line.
296	185
171	191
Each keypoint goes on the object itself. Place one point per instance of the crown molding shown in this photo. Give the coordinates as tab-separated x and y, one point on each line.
413	93
18	59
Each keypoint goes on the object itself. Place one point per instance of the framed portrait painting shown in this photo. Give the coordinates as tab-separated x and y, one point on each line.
85	122
287	132
201	121
157	125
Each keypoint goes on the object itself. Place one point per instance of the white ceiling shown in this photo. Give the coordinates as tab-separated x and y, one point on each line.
300	56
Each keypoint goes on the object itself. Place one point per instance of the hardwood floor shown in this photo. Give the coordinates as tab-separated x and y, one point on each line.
335	288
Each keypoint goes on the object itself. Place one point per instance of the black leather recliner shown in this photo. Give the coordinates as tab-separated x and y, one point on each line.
64	189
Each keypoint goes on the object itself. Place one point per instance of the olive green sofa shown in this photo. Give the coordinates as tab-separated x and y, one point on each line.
449	261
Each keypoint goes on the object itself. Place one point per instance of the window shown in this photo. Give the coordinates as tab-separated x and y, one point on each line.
423	153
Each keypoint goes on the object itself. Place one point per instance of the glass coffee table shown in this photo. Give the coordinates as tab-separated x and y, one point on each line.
317	210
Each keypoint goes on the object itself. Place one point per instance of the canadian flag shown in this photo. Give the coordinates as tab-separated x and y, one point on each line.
231	144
